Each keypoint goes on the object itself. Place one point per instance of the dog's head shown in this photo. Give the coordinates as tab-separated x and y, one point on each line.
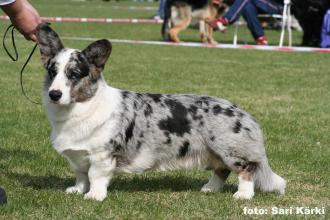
220	6
72	75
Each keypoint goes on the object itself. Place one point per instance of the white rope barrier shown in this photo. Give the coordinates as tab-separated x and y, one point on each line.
203	45
97	20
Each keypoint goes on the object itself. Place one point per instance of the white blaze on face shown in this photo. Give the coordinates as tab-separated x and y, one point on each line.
61	82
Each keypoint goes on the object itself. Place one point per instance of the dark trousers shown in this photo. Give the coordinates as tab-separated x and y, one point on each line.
249	10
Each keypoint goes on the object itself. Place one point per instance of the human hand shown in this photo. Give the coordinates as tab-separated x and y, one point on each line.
24	17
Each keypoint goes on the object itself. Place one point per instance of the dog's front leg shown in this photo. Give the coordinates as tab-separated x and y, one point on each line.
99	175
82	183
79	162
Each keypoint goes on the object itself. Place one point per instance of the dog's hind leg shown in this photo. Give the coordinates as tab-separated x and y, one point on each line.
245	182
245	170
217	180
174	31
100	173
181	20
202	32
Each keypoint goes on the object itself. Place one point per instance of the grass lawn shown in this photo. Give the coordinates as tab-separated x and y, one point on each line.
288	93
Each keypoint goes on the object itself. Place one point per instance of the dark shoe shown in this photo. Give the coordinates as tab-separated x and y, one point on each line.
3	196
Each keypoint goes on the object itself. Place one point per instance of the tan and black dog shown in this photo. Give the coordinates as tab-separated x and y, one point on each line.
179	13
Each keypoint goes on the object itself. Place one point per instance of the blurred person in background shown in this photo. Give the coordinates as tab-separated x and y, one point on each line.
161	10
249	10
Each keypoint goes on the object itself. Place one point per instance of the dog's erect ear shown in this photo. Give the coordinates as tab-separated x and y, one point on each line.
49	42
97	54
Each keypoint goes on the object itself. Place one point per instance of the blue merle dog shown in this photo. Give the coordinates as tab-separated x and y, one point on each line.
102	130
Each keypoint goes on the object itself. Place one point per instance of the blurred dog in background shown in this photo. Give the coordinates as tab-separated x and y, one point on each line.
310	15
179	13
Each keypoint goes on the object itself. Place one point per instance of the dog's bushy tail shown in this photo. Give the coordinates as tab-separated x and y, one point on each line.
167	21
268	181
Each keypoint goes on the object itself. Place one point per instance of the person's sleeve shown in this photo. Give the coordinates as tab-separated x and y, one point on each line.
6	2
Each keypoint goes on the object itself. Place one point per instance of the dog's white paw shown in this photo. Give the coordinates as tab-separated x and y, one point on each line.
243	195
210	188
207	190
74	189
96	195
214	185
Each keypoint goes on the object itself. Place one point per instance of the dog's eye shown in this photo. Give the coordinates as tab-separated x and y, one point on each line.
74	74
52	73
51	69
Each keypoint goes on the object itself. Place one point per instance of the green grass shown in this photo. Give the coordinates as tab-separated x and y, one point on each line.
287	92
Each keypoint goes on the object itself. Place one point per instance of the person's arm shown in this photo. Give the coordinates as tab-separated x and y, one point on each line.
24	17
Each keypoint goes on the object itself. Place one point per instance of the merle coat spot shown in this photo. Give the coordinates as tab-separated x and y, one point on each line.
229	112
138	145
155	97
237	164
116	146
77	67
125	94
148	110
212	138
237	127
193	111
203	101
184	149
168	138
177	124
129	131
135	105
217	109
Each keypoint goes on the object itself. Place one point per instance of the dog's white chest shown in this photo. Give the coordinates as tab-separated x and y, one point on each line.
89	126
87	136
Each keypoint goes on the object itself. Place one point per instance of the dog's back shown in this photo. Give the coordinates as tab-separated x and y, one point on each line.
179	128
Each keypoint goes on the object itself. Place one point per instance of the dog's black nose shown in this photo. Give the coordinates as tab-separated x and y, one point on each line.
55	95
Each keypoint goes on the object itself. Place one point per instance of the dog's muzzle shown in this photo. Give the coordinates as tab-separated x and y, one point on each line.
55	95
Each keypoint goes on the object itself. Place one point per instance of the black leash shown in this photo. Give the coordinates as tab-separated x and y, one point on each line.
15	59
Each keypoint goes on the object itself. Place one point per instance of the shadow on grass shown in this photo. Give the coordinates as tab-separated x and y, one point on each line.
153	181
19	153
165	182
136	183
40	182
